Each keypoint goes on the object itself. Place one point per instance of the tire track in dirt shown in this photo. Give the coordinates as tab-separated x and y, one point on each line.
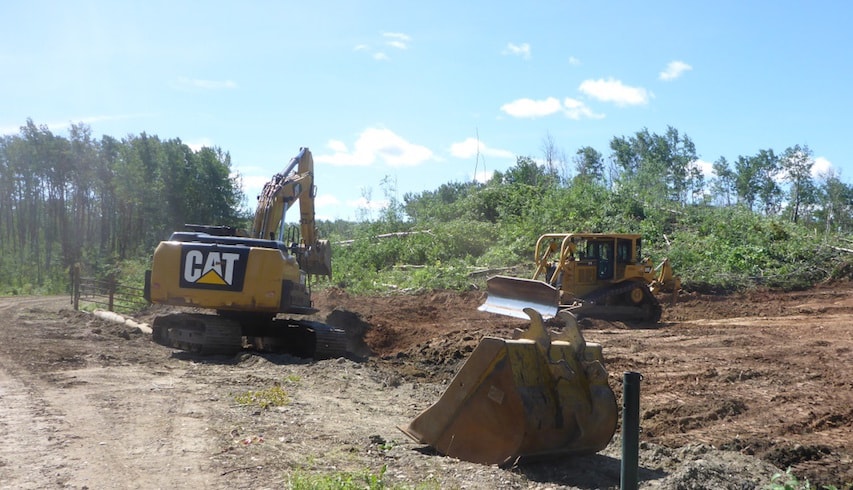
119	425
32	435
124	422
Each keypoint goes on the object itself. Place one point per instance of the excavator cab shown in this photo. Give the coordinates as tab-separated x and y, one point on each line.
539	395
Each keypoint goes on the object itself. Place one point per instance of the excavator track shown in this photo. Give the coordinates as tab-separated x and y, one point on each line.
615	303
302	338
329	342
211	334
199	333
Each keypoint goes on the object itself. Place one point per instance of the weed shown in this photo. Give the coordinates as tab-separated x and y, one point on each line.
789	481
274	396
342	480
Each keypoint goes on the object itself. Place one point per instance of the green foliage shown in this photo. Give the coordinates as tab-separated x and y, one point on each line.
106	203
789	481
361	480
437	257
274	396
731	248
78	200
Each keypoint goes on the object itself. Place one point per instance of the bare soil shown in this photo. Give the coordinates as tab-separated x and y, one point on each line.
735	388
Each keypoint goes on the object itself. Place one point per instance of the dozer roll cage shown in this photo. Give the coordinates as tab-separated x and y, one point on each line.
610	253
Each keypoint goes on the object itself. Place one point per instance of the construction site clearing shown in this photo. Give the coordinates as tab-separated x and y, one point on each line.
735	389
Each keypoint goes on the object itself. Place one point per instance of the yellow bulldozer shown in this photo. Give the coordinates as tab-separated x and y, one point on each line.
596	275
546	393
247	278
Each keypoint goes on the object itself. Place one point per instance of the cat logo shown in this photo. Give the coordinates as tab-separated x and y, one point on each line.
212	267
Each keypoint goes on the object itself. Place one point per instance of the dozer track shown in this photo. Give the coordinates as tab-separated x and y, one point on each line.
212	334
626	301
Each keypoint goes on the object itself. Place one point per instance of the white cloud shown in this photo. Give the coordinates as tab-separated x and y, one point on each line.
194	83
326	208
469	149
529	108
376	144
199	144
397	39
337	146
484	176
821	167
10	129
532	108
674	70
58	126
707	168
615	91
577	110
326	200
522	50
574	61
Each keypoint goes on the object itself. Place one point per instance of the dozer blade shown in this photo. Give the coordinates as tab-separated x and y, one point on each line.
509	296
525	398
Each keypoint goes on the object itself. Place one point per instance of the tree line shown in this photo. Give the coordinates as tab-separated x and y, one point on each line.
764	218
647	171
77	199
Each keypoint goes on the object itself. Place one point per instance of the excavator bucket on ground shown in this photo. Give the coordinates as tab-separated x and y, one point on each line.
509	296
542	394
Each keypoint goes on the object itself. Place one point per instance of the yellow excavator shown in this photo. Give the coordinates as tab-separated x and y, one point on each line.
248	278
596	275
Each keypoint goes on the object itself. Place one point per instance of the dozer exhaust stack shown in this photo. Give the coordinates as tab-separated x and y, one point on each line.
535	396
509	296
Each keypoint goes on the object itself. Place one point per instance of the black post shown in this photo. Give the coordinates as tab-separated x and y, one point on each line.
111	287
75	286
630	430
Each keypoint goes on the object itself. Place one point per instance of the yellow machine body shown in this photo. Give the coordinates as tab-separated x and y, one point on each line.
540	395
592	274
240	276
247	277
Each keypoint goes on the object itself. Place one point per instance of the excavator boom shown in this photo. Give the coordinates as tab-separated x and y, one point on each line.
294	184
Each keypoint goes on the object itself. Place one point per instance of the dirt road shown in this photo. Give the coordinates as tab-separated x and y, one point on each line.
734	389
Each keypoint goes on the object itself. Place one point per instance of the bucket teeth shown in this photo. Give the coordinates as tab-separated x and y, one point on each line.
542	394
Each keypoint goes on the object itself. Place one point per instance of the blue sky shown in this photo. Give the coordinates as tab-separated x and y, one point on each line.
407	92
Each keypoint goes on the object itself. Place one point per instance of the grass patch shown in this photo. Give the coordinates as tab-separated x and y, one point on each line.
274	396
789	481
344	480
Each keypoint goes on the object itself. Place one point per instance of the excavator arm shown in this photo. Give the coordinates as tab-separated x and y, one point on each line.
295	183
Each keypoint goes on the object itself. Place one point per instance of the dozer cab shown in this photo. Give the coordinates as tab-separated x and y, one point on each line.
247	278
597	275
539	395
